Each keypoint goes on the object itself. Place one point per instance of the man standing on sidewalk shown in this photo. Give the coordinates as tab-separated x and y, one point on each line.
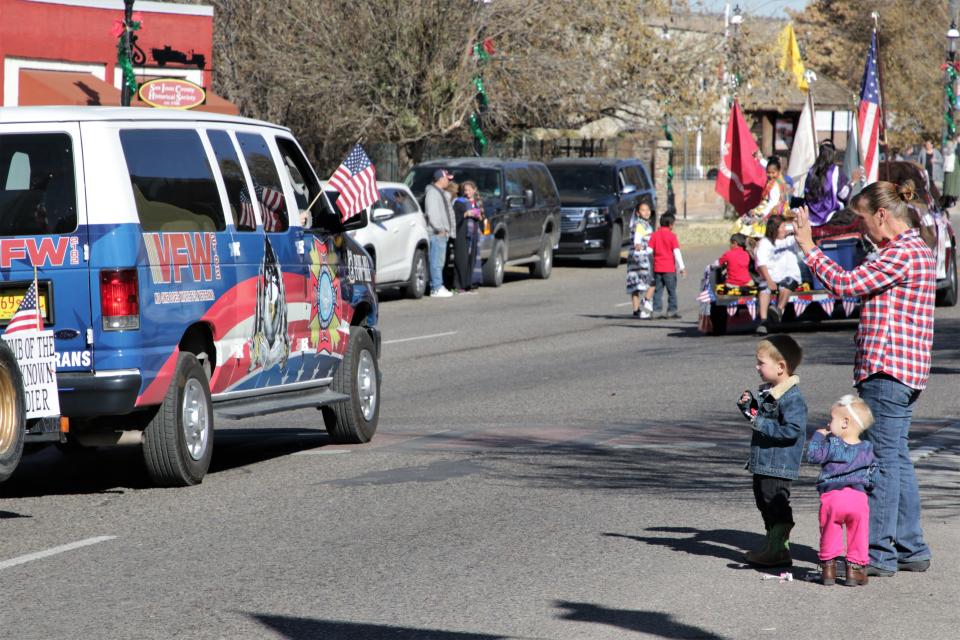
439	213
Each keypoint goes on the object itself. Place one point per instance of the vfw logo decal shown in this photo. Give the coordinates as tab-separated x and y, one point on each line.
325	310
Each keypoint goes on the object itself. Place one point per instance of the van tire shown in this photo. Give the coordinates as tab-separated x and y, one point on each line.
13	412
541	268
355	421
494	266
174	457
947	297
613	253
417	284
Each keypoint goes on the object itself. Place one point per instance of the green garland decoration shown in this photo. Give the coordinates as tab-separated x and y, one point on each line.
123	58
481	53
951	99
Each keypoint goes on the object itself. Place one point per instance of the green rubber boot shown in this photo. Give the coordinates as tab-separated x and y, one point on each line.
777	552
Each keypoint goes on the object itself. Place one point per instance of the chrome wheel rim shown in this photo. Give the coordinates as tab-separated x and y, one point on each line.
367	385
500	265
8	412
195	419
547	258
421	273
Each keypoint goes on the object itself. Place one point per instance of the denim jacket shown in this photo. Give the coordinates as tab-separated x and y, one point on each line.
779	429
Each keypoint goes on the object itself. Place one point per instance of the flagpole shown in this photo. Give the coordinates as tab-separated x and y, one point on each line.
883	111
36	290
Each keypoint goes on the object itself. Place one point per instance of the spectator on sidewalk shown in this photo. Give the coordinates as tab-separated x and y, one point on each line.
892	365
439	215
639	269
930	158
667	261
468	209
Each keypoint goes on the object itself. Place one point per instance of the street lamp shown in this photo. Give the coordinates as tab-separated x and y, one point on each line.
125	93
735	21
950	83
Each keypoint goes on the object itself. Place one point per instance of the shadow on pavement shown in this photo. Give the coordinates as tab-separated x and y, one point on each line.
296	628
106	470
654	623
726	544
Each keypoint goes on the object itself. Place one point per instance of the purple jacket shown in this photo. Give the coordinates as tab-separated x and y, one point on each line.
835	193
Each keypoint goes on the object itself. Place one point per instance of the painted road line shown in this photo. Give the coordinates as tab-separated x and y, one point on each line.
320	452
432	335
12	562
623	304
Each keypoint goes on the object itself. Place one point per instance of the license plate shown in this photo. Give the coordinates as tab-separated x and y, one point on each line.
10	301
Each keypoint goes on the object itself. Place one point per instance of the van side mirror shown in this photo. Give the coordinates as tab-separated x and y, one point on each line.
528	198
358	221
628	189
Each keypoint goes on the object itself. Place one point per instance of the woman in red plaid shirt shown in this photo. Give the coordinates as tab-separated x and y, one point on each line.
892	365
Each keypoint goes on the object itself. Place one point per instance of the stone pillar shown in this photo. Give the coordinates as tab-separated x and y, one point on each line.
661	160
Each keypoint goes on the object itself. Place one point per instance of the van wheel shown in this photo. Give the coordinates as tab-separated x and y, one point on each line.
541	268
948	297
493	267
13	412
178	441
354	421
613	253
417	284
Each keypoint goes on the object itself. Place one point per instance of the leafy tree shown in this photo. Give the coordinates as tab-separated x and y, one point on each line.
837	37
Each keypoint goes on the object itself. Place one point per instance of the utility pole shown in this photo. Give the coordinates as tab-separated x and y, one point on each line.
125	96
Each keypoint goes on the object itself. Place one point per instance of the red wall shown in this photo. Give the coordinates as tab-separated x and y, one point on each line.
82	34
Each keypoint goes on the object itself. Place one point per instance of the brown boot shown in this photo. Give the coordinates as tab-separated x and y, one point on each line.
829	572
856	575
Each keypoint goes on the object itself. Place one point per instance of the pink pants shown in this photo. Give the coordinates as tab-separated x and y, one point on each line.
848	507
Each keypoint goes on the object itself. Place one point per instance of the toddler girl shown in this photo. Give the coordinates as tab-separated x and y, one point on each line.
848	466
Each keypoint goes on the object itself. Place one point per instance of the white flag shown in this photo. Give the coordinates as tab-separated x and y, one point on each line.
804	151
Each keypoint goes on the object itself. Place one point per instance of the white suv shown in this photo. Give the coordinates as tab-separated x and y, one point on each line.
396	239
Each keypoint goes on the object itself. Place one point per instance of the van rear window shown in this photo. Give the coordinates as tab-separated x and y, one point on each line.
172	182
39	192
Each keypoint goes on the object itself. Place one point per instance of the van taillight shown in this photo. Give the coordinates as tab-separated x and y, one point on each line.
119	300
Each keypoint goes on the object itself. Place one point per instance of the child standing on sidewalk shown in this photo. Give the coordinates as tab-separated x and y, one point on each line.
639	271
847	473
667	261
779	417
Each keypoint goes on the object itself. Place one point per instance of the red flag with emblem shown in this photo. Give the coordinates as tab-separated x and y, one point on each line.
740	177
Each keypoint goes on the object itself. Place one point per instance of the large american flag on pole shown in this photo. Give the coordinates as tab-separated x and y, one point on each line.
356	180
868	118
28	316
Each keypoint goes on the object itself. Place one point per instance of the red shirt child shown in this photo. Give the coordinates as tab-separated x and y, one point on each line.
666	250
737	262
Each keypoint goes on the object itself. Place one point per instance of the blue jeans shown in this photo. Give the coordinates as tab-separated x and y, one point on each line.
895	531
668	280
438	256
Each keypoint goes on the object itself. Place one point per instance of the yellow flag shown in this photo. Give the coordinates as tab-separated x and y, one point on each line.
790	56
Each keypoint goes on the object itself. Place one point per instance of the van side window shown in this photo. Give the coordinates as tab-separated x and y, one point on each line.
268	191
514	187
241	204
644	183
306	187
526	182
635	176
172	181
39	191
545	188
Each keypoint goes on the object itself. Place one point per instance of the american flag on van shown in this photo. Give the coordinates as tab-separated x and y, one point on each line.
28	316
356	180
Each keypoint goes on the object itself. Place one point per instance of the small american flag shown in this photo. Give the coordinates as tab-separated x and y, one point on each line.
274	217
28	316
248	219
356	180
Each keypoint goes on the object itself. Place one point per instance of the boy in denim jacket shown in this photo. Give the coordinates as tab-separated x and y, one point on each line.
779	417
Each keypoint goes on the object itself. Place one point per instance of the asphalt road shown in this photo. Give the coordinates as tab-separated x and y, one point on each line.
546	467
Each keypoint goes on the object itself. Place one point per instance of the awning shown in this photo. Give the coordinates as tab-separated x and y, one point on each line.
77	88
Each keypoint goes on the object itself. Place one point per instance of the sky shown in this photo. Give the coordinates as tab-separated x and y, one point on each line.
773	8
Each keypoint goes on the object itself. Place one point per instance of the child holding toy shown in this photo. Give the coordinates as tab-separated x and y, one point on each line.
779	417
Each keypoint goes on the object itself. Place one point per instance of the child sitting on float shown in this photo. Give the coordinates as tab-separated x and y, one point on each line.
773	201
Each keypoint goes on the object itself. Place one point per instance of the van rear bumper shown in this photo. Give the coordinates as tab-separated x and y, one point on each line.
86	395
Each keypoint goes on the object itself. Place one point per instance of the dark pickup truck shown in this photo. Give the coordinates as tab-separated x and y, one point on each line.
521	204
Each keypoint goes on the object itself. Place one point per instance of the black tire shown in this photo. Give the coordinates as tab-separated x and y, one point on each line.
613	253
495	264
417	283
718	318
13	412
541	268
174	458
948	297
355	421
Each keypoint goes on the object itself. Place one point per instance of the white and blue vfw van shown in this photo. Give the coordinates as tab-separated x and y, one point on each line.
185	268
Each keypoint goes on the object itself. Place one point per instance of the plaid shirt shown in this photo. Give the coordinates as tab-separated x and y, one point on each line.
897	293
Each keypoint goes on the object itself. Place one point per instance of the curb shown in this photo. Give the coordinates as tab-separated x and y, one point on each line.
946	437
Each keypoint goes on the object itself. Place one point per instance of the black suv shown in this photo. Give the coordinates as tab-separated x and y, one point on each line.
597	197
521	203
